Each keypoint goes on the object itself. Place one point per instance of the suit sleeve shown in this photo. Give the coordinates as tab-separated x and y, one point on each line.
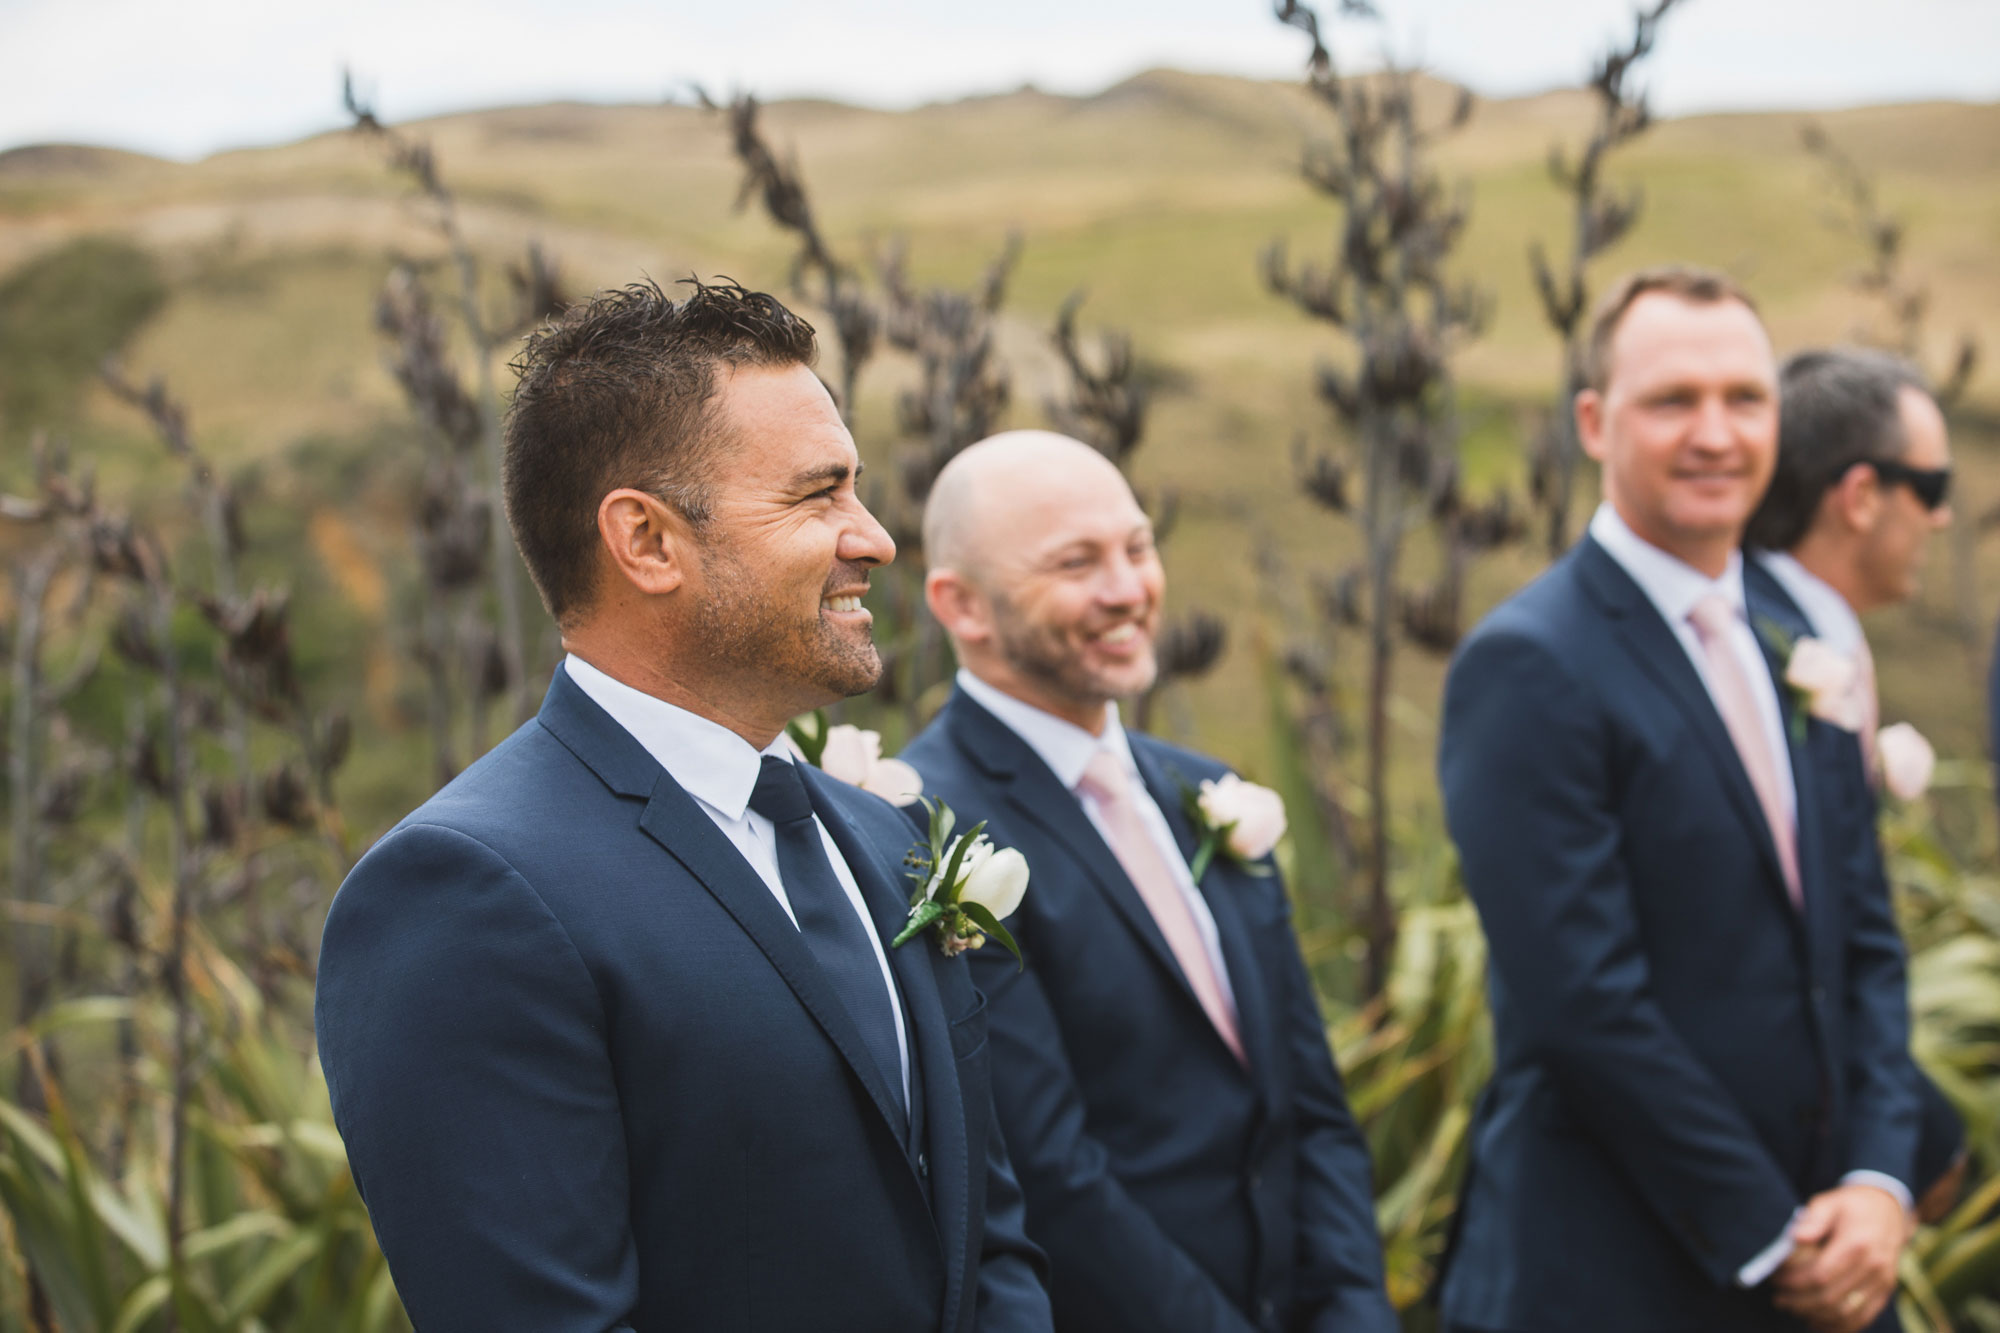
1526	767
1340	1247
1884	1107
1013	1272
1107	1242
464	1048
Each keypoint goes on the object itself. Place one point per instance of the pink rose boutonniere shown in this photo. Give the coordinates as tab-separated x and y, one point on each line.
1827	682
854	755
1821	681
1239	819
1906	760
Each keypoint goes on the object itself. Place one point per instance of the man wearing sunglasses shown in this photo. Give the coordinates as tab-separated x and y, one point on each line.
1863	479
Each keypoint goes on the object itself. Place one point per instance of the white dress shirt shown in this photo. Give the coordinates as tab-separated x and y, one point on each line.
719	770
1068	749
1675	587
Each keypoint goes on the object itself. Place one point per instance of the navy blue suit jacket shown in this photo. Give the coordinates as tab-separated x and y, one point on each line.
590	1076
1174	1190
1941	1131
1681	1057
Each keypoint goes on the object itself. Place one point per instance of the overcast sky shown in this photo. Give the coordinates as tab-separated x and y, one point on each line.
187	77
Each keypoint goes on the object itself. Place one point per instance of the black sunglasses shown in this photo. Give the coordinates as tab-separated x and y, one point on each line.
1929	484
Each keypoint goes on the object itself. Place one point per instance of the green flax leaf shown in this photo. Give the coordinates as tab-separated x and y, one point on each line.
983	918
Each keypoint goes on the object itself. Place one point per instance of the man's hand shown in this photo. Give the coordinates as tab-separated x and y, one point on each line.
1843	1270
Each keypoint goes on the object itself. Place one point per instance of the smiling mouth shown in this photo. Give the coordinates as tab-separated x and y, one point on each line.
850	603
1118	634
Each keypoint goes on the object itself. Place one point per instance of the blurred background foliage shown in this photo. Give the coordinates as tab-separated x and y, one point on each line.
255	612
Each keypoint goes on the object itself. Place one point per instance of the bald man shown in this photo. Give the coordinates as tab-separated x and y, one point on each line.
1160	1067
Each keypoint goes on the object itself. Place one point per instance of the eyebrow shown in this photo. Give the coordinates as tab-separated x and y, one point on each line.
835	472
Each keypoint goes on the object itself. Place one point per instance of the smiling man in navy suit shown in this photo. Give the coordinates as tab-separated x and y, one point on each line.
1702	1113
610	1024
1160	1064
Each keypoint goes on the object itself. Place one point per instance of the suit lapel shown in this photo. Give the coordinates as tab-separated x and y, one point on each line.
673	819
1253	1026
934	1068
1038	797
1658	652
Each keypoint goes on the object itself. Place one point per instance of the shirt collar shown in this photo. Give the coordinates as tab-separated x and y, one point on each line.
710	762
1831	618
1673	586
1065	747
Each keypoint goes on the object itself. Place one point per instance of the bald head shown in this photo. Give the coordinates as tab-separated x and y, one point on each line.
1043	572
995	486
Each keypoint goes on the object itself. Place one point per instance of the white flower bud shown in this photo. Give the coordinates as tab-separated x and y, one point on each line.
995	879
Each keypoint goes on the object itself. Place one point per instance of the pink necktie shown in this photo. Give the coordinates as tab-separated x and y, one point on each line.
1871	711
1106	783
1712	618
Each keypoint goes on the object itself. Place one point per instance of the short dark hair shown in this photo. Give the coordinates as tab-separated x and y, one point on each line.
1836	407
617	391
1701	286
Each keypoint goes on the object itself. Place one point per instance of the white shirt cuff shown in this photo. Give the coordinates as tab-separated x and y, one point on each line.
1770	1257
1887	1184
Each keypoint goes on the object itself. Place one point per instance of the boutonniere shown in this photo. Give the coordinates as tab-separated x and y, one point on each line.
1240	819
1906	760
854	755
1821	681
965	886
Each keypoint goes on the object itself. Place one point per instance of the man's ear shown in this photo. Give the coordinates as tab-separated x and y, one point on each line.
1856	498
960	607
645	540
1590	423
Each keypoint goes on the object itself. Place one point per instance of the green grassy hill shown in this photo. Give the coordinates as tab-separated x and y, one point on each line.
1155	195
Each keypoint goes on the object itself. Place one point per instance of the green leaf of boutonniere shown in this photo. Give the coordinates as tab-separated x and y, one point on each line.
808	732
963	886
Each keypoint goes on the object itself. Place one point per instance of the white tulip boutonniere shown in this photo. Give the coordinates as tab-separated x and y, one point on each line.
1823	682
1906	760
965	886
853	755
1240	819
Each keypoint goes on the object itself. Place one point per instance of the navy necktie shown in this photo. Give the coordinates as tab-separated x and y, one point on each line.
833	929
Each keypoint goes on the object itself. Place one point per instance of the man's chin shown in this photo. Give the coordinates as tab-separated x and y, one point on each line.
1127	684
857	676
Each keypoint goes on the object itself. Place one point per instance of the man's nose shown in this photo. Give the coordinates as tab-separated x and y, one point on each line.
1711	429
1121	584
865	541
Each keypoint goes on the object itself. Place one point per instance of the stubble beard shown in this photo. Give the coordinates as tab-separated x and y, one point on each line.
749	633
1040	654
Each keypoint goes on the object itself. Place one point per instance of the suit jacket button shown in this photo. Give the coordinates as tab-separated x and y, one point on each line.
923	1166
1266	1311
1256	1180
1819	997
